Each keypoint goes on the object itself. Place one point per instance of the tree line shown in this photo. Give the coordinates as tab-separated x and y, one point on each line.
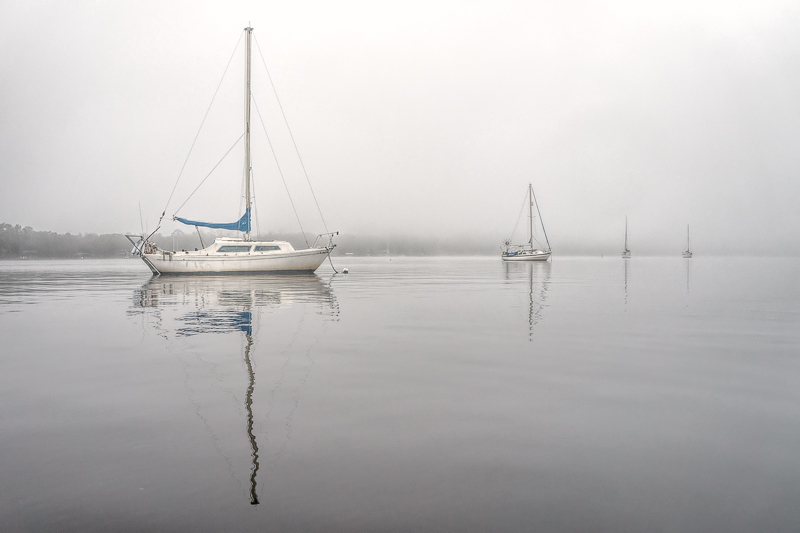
18	242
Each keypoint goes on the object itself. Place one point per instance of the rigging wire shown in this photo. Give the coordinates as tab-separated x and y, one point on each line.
540	220
277	164
519	217
255	204
201	127
207	175
297	150
331	262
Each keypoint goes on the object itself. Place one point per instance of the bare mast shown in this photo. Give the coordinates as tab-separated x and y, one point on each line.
540	219
530	214
626	233
247	163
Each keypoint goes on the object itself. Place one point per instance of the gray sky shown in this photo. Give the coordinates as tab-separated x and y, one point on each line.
424	119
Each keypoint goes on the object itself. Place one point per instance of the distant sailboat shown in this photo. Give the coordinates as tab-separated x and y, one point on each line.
527	252
688	253
626	254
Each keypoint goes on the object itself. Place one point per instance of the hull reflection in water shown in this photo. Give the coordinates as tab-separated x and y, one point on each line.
193	312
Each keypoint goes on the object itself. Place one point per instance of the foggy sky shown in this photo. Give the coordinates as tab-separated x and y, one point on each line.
413	118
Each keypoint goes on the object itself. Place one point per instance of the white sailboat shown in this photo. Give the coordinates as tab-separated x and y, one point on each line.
527	252
626	254
234	255
687	254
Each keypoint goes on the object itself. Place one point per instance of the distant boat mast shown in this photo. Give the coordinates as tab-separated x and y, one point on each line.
688	253
626	254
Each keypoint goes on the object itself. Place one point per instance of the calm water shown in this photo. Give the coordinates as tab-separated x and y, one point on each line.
446	394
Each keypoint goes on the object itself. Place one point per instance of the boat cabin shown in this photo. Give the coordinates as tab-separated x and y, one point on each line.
239	246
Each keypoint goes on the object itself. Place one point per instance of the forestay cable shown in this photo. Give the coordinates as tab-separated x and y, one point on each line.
255	205
519	217
200	128
207	175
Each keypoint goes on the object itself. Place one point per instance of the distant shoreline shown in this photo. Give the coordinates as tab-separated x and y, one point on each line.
25	243
17	242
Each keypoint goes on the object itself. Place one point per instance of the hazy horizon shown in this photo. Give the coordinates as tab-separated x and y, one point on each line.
44	246
414	120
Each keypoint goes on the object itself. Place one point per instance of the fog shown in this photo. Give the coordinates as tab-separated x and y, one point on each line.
413	119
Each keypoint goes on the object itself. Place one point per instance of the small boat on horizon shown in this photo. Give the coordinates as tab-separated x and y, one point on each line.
527	252
626	254
687	254
234	255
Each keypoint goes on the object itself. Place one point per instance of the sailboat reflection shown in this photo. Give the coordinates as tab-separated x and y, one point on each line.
687	276
625	286
538	276
200	305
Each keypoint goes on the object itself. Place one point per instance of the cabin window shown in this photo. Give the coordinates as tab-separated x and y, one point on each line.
269	248
233	248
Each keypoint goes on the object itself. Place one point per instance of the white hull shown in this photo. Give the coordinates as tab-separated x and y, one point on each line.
215	260
687	255
626	255
192	263
538	255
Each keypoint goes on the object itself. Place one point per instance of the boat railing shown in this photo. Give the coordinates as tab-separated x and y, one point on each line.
141	245
330	237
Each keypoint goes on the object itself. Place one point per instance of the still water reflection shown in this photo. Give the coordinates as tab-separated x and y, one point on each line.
216	305
538	277
424	394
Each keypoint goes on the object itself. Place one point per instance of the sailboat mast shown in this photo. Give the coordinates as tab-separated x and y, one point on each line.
530	214
247	164
688	242
626	233
540	220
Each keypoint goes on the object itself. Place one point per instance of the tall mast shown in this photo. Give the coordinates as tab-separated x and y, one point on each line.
247	164
626	233
688	243
530	213
540	220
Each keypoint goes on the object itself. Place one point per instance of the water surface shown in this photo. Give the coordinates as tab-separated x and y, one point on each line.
413	394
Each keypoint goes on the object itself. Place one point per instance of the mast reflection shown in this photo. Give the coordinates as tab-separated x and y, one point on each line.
625	287
248	405
226	304
537	275
687	277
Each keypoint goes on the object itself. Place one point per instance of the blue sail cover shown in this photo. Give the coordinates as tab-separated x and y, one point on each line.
243	224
